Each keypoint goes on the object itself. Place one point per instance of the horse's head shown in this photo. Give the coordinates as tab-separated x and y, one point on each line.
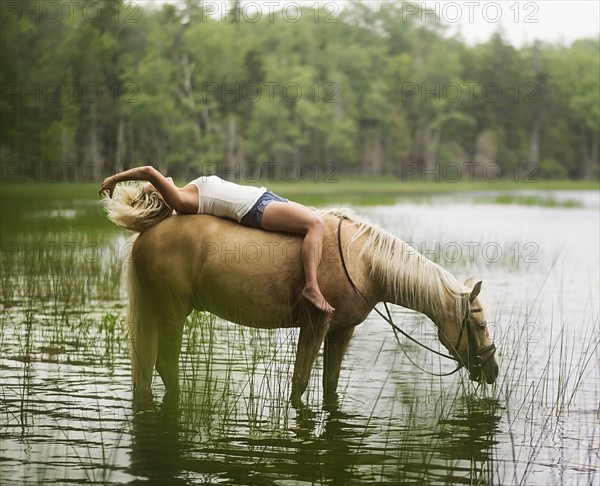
472	346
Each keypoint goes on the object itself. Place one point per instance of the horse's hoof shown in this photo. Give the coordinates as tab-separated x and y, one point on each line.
143	400
331	402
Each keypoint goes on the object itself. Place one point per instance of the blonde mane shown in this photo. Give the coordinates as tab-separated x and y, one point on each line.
415	281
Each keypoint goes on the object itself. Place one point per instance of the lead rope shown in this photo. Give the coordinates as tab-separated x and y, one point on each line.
389	320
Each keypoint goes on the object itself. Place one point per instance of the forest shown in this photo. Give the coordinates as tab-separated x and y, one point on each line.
89	88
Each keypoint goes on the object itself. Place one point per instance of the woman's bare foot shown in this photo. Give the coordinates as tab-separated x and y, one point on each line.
315	297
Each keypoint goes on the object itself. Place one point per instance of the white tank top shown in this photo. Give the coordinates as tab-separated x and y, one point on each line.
225	199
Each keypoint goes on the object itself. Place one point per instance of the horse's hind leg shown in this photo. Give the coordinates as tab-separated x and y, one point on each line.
170	331
309	342
336	344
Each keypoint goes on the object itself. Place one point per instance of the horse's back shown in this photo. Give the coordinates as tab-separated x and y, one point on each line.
242	274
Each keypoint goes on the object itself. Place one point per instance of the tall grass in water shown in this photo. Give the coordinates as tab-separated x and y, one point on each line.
54	323
234	404
456	432
229	371
538	397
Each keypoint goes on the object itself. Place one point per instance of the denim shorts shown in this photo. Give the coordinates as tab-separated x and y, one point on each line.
253	218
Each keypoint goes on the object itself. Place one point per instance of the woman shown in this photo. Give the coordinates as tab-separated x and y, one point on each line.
251	206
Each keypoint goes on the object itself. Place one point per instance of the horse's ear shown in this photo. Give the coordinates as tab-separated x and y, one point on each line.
475	292
469	282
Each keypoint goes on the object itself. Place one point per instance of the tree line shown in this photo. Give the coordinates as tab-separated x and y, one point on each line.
90	88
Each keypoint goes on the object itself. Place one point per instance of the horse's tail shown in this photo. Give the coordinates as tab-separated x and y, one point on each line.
133	209
143	330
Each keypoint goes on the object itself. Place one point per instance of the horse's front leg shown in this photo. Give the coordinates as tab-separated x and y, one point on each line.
312	334
336	344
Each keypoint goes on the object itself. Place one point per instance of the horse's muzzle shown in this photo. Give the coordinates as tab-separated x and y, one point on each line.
488	370
491	370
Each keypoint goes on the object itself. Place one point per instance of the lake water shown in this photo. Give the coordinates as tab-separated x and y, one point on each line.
66	411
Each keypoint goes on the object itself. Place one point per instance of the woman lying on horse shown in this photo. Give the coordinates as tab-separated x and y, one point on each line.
143	206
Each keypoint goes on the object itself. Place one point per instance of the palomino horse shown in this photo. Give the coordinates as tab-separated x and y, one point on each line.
254	278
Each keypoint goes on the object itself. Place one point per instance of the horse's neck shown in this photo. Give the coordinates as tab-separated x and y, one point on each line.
419	284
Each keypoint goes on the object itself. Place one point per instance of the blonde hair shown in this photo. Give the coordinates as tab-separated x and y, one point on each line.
131	208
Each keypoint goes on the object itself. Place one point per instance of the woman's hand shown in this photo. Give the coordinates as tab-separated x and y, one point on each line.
108	186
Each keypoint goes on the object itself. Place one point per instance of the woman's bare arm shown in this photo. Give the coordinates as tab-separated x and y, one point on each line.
180	200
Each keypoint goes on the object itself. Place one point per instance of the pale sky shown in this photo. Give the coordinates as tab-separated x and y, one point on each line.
524	21
521	22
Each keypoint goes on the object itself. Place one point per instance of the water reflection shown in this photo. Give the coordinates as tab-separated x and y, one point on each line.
156	447
165	448
325	446
469	437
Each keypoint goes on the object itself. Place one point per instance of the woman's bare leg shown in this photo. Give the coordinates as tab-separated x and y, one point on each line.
295	218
